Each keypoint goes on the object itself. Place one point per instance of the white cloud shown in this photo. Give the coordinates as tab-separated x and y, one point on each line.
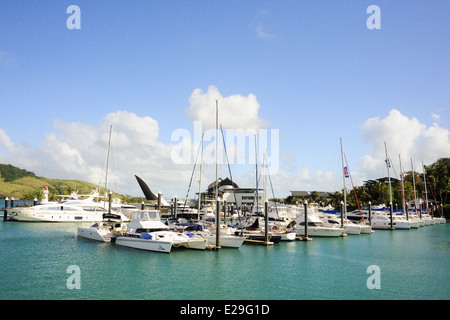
404	136
235	111
78	151
436	117
261	16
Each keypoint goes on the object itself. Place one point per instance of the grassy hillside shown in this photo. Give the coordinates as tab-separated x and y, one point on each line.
22	184
25	185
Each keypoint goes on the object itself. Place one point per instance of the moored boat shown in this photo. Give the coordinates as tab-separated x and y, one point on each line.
147	232
315	227
109	228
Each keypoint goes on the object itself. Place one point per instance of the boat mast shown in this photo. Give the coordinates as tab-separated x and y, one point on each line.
217	182
344	210
425	182
402	177
107	165
414	188
256	174
200	182
388	164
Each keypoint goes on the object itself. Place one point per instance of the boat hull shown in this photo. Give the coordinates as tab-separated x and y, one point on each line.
56	216
319	231
226	241
287	236
196	244
145	244
94	234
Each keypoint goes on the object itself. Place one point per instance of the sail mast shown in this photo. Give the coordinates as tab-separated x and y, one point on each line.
217	182
256	174
414	188
107	165
344	211
402	177
425	182
200	182
388	164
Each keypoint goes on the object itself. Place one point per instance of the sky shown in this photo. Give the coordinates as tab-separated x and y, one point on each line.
297	75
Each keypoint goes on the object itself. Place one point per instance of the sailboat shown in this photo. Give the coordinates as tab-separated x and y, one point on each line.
218	234
350	227
111	224
315	226
389	221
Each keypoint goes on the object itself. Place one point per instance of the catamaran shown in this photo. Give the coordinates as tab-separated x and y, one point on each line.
147	232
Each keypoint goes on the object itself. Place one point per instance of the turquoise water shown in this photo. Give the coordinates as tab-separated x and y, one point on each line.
413	264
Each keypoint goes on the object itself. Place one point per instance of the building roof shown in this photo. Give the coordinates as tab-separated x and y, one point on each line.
221	182
307	194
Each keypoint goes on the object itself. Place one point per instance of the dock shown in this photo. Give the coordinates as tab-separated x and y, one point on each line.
303	238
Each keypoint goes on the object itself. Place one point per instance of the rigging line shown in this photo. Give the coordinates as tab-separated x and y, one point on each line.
411	195
435	202
423	197
354	191
398	181
192	175
273	193
229	170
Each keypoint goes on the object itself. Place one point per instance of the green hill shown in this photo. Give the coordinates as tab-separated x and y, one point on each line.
23	184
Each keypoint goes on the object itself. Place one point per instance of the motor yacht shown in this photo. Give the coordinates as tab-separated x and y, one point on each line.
109	228
73	210
350	227
316	227
147	232
383	222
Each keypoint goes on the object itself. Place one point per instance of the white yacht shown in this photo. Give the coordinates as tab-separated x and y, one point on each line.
109	228
147	232
428	219
253	228
316	227
383	221
74	210
227	237
285	233
350	227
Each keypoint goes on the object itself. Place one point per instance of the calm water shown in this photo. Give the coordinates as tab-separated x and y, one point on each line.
414	264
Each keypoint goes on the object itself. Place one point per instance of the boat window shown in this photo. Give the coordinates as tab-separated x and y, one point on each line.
93	209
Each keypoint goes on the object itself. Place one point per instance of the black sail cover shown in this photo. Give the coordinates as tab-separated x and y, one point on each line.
149	195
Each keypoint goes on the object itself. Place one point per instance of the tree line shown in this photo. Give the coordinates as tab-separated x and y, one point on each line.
437	179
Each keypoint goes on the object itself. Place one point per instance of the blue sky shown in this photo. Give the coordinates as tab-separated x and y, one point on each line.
317	73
